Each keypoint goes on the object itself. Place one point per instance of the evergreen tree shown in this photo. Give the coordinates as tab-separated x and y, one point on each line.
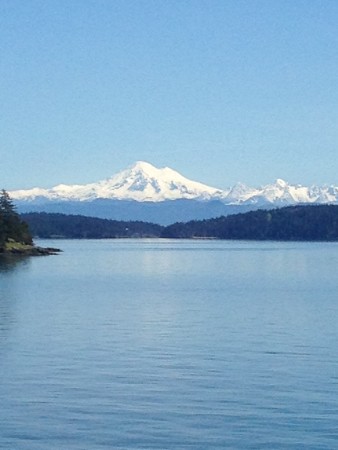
11	226
7	207
2	233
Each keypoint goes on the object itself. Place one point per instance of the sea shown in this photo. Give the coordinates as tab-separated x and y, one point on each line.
170	345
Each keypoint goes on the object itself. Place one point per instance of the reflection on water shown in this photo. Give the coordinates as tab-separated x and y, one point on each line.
6	320
10	265
11	262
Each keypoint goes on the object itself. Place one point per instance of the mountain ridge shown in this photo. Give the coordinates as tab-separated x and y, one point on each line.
142	182
139	182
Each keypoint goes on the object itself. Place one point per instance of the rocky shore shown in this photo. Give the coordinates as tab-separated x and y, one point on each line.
16	248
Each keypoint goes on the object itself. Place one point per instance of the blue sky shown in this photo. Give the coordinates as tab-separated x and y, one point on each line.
220	90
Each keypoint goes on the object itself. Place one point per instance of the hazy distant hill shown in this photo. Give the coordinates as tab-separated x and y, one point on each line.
163	213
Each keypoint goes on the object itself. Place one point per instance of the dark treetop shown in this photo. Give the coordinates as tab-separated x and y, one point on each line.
12	227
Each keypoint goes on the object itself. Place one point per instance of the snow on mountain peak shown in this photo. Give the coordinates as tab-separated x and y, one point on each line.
281	183
144	167
141	182
144	182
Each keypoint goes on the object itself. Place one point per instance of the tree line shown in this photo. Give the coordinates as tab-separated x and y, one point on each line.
56	225
298	223
304	223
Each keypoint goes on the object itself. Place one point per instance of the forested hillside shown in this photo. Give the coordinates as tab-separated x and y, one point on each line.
47	225
303	223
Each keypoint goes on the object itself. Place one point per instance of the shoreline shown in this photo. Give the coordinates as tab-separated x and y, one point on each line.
18	249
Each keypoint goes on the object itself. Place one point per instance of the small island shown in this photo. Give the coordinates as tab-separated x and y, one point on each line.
15	236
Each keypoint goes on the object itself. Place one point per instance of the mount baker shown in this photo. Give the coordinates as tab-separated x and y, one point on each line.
144	192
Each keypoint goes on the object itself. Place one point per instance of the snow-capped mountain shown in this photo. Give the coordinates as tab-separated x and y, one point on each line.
140	182
143	182
281	193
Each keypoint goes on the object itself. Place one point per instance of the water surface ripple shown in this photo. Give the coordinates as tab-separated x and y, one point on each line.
156	344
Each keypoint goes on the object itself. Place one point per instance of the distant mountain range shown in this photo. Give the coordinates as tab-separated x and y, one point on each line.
144	192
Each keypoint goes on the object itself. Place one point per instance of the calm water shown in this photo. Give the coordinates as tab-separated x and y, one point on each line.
170	345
